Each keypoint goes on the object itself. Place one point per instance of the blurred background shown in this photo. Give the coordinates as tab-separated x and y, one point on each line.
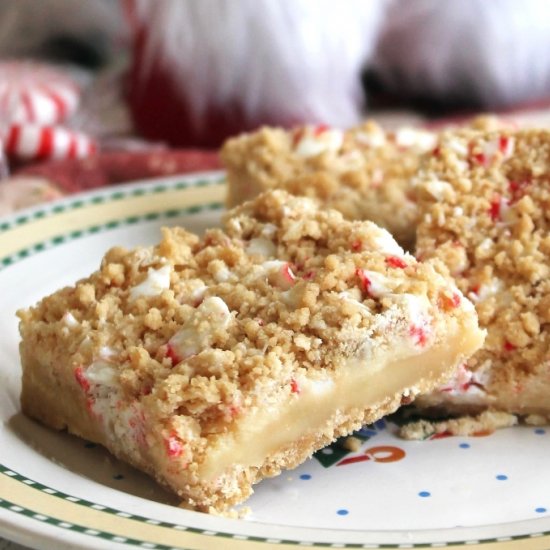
120	82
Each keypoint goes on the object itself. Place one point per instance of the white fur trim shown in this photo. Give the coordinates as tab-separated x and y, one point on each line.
496	53
281	61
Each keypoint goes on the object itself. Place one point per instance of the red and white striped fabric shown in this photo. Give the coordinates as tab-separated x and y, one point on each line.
34	142
36	93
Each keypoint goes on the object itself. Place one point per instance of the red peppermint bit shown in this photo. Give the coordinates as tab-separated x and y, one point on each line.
81	379
446	302
494	208
466	386
475	289
419	335
394	261
174	446
294	387
309	275
504	145
437	151
146	390
357	246
479	158
365	281
172	354
518	189
283	277
508	346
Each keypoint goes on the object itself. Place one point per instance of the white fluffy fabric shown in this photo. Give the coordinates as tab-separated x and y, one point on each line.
495	53
281	61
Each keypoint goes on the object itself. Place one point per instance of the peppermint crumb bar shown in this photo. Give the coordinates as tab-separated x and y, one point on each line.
212	363
363	172
486	203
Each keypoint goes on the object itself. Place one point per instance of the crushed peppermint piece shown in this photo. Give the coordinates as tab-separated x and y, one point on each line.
508	346
294	386
518	189
418	334
315	141
394	261
372	283
81	379
174	446
497	207
280	274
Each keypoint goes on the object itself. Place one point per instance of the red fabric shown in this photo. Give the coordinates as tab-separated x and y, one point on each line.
160	111
72	176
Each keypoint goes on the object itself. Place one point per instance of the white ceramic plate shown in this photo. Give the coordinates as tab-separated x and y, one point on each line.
57	491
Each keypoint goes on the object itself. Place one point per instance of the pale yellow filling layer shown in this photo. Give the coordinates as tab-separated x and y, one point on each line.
360	385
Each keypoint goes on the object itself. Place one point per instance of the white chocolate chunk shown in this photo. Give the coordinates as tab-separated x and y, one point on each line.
374	139
102	372
439	189
192	338
156	281
105	352
315	142
386	244
413	137
70	320
262	247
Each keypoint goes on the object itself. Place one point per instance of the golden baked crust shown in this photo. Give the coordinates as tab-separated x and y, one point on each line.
363	172
485	198
182	358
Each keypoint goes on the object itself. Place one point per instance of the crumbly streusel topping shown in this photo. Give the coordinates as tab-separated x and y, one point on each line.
200	330
363	172
486	198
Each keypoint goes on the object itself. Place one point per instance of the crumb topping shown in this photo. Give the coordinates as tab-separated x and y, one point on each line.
198	331
363	172
485	198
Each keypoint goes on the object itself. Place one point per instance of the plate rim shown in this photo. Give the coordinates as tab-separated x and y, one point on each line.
184	183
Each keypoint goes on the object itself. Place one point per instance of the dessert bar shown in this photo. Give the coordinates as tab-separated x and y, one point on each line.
214	362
